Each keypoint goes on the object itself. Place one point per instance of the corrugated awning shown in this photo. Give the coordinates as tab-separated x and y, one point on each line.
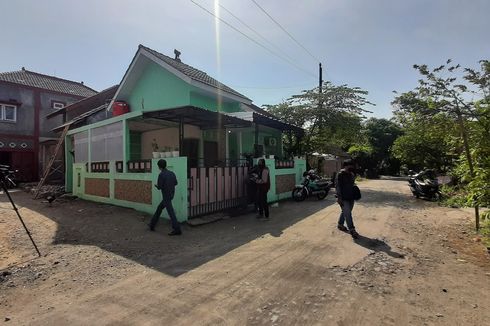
199	117
80	119
267	121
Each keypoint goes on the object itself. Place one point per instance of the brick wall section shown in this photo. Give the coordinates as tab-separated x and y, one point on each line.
133	190
97	187
285	183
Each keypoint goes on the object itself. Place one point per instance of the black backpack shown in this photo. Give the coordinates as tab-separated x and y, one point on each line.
356	192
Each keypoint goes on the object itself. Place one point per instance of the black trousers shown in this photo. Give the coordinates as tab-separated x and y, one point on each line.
165	203
262	202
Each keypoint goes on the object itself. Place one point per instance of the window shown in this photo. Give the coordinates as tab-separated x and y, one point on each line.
58	105
8	113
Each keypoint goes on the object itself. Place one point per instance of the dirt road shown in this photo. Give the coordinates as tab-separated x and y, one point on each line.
416	264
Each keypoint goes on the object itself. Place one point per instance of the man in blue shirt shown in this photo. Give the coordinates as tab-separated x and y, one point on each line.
166	183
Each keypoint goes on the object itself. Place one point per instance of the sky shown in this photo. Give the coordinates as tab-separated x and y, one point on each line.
370	44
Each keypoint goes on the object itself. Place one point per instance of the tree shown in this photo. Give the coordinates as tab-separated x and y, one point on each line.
440	94
332	119
381	134
428	141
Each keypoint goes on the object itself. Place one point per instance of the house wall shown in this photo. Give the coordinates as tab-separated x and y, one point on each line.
165	137
132	190
248	140
213	103
281	179
158	89
25	112
46	125
21	139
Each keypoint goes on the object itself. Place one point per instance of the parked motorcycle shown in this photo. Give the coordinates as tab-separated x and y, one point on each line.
424	184
9	176
312	185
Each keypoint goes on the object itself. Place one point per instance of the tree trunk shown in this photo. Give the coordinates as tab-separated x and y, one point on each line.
464	135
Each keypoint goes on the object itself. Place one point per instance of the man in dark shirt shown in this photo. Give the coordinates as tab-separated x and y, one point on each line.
345	197
166	183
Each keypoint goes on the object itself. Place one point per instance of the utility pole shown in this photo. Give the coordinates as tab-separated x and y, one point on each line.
320	82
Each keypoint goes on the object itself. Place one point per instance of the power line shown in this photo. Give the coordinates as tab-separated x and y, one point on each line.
255	41
285	31
279	87
256	33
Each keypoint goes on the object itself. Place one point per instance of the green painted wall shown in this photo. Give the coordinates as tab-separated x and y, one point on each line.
212	103
299	168
68	164
248	140
176	164
158	89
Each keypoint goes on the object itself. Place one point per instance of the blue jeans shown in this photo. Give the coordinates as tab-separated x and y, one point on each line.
346	214
165	203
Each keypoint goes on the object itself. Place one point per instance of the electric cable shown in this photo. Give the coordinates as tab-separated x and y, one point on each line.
255	41
285	31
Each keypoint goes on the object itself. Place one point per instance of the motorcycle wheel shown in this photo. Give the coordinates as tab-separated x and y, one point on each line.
299	194
323	195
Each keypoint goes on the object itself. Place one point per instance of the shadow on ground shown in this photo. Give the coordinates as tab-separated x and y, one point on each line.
124	231
377	245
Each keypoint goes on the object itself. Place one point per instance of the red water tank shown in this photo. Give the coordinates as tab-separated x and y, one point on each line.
119	107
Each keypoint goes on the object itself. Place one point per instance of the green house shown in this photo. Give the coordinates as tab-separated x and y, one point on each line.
209	134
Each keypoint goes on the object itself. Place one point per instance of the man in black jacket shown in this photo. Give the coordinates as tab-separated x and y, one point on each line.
166	183
263	185
345	197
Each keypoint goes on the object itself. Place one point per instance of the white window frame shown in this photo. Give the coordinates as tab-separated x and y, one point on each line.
58	105
3	114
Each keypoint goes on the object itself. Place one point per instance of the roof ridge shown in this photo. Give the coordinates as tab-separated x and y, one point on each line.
216	83
57	78
178	62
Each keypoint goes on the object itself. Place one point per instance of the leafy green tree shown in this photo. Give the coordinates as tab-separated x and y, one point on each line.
363	155
381	134
332	118
440	95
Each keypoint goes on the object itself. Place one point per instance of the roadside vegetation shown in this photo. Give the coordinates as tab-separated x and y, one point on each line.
442	124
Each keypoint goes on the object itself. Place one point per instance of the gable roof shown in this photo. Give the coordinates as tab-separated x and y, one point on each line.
34	79
192	72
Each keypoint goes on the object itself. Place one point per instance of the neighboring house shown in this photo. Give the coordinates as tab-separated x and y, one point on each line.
208	132
26	137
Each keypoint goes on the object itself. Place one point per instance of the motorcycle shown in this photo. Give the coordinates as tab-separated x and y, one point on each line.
8	176
312	185
424	184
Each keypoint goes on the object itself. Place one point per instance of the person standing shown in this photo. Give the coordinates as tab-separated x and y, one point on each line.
166	184
345	197
263	185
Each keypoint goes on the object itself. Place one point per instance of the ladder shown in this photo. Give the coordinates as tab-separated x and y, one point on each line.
47	170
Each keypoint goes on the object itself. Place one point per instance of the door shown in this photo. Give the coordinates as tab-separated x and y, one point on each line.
191	150
210	153
24	162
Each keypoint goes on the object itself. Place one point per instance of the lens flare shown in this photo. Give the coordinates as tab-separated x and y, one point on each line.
218	52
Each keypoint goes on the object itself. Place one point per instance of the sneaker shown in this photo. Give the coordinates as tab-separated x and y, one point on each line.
342	228
175	233
151	227
354	234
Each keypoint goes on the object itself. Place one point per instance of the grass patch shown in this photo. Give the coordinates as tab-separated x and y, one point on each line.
485	228
452	196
